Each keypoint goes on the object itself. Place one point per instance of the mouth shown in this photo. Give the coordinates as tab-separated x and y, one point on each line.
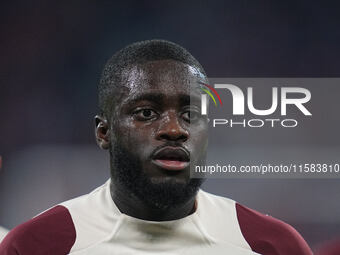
171	158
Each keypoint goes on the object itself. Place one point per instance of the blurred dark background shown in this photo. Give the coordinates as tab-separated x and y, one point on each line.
52	53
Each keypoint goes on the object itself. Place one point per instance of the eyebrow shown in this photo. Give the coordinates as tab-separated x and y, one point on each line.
154	97
158	98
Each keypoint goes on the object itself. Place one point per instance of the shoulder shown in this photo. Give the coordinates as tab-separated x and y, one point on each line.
329	248
67	227
248	228
94	216
51	232
267	235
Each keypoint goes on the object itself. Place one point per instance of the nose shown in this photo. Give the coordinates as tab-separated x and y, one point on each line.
170	129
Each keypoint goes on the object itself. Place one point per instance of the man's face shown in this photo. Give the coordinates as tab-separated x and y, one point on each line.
156	131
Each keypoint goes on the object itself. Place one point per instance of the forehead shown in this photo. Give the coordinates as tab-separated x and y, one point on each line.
168	77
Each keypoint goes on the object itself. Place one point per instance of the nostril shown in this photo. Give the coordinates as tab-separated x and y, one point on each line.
173	136
183	137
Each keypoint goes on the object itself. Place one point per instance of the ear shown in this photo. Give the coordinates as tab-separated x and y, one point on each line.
102	132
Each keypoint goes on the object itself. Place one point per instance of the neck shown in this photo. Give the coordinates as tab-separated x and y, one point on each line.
131	205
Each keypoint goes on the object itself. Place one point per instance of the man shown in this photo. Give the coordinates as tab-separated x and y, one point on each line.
151	125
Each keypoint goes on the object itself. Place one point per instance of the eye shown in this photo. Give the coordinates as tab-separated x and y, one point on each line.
190	115
145	114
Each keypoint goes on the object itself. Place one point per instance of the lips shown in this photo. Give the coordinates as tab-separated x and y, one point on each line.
171	158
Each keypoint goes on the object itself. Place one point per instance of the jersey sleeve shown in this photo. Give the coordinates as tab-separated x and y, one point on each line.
269	236
51	232
329	248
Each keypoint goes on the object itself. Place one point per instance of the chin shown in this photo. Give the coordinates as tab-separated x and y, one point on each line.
169	180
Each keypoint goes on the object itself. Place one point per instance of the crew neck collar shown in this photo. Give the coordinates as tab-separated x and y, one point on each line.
134	219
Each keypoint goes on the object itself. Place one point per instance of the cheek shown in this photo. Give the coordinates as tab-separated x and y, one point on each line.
199	133
199	140
137	139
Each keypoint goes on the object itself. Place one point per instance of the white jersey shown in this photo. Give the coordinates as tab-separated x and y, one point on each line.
116	231
92	224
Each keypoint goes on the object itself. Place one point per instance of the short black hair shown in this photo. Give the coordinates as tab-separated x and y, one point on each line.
138	53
